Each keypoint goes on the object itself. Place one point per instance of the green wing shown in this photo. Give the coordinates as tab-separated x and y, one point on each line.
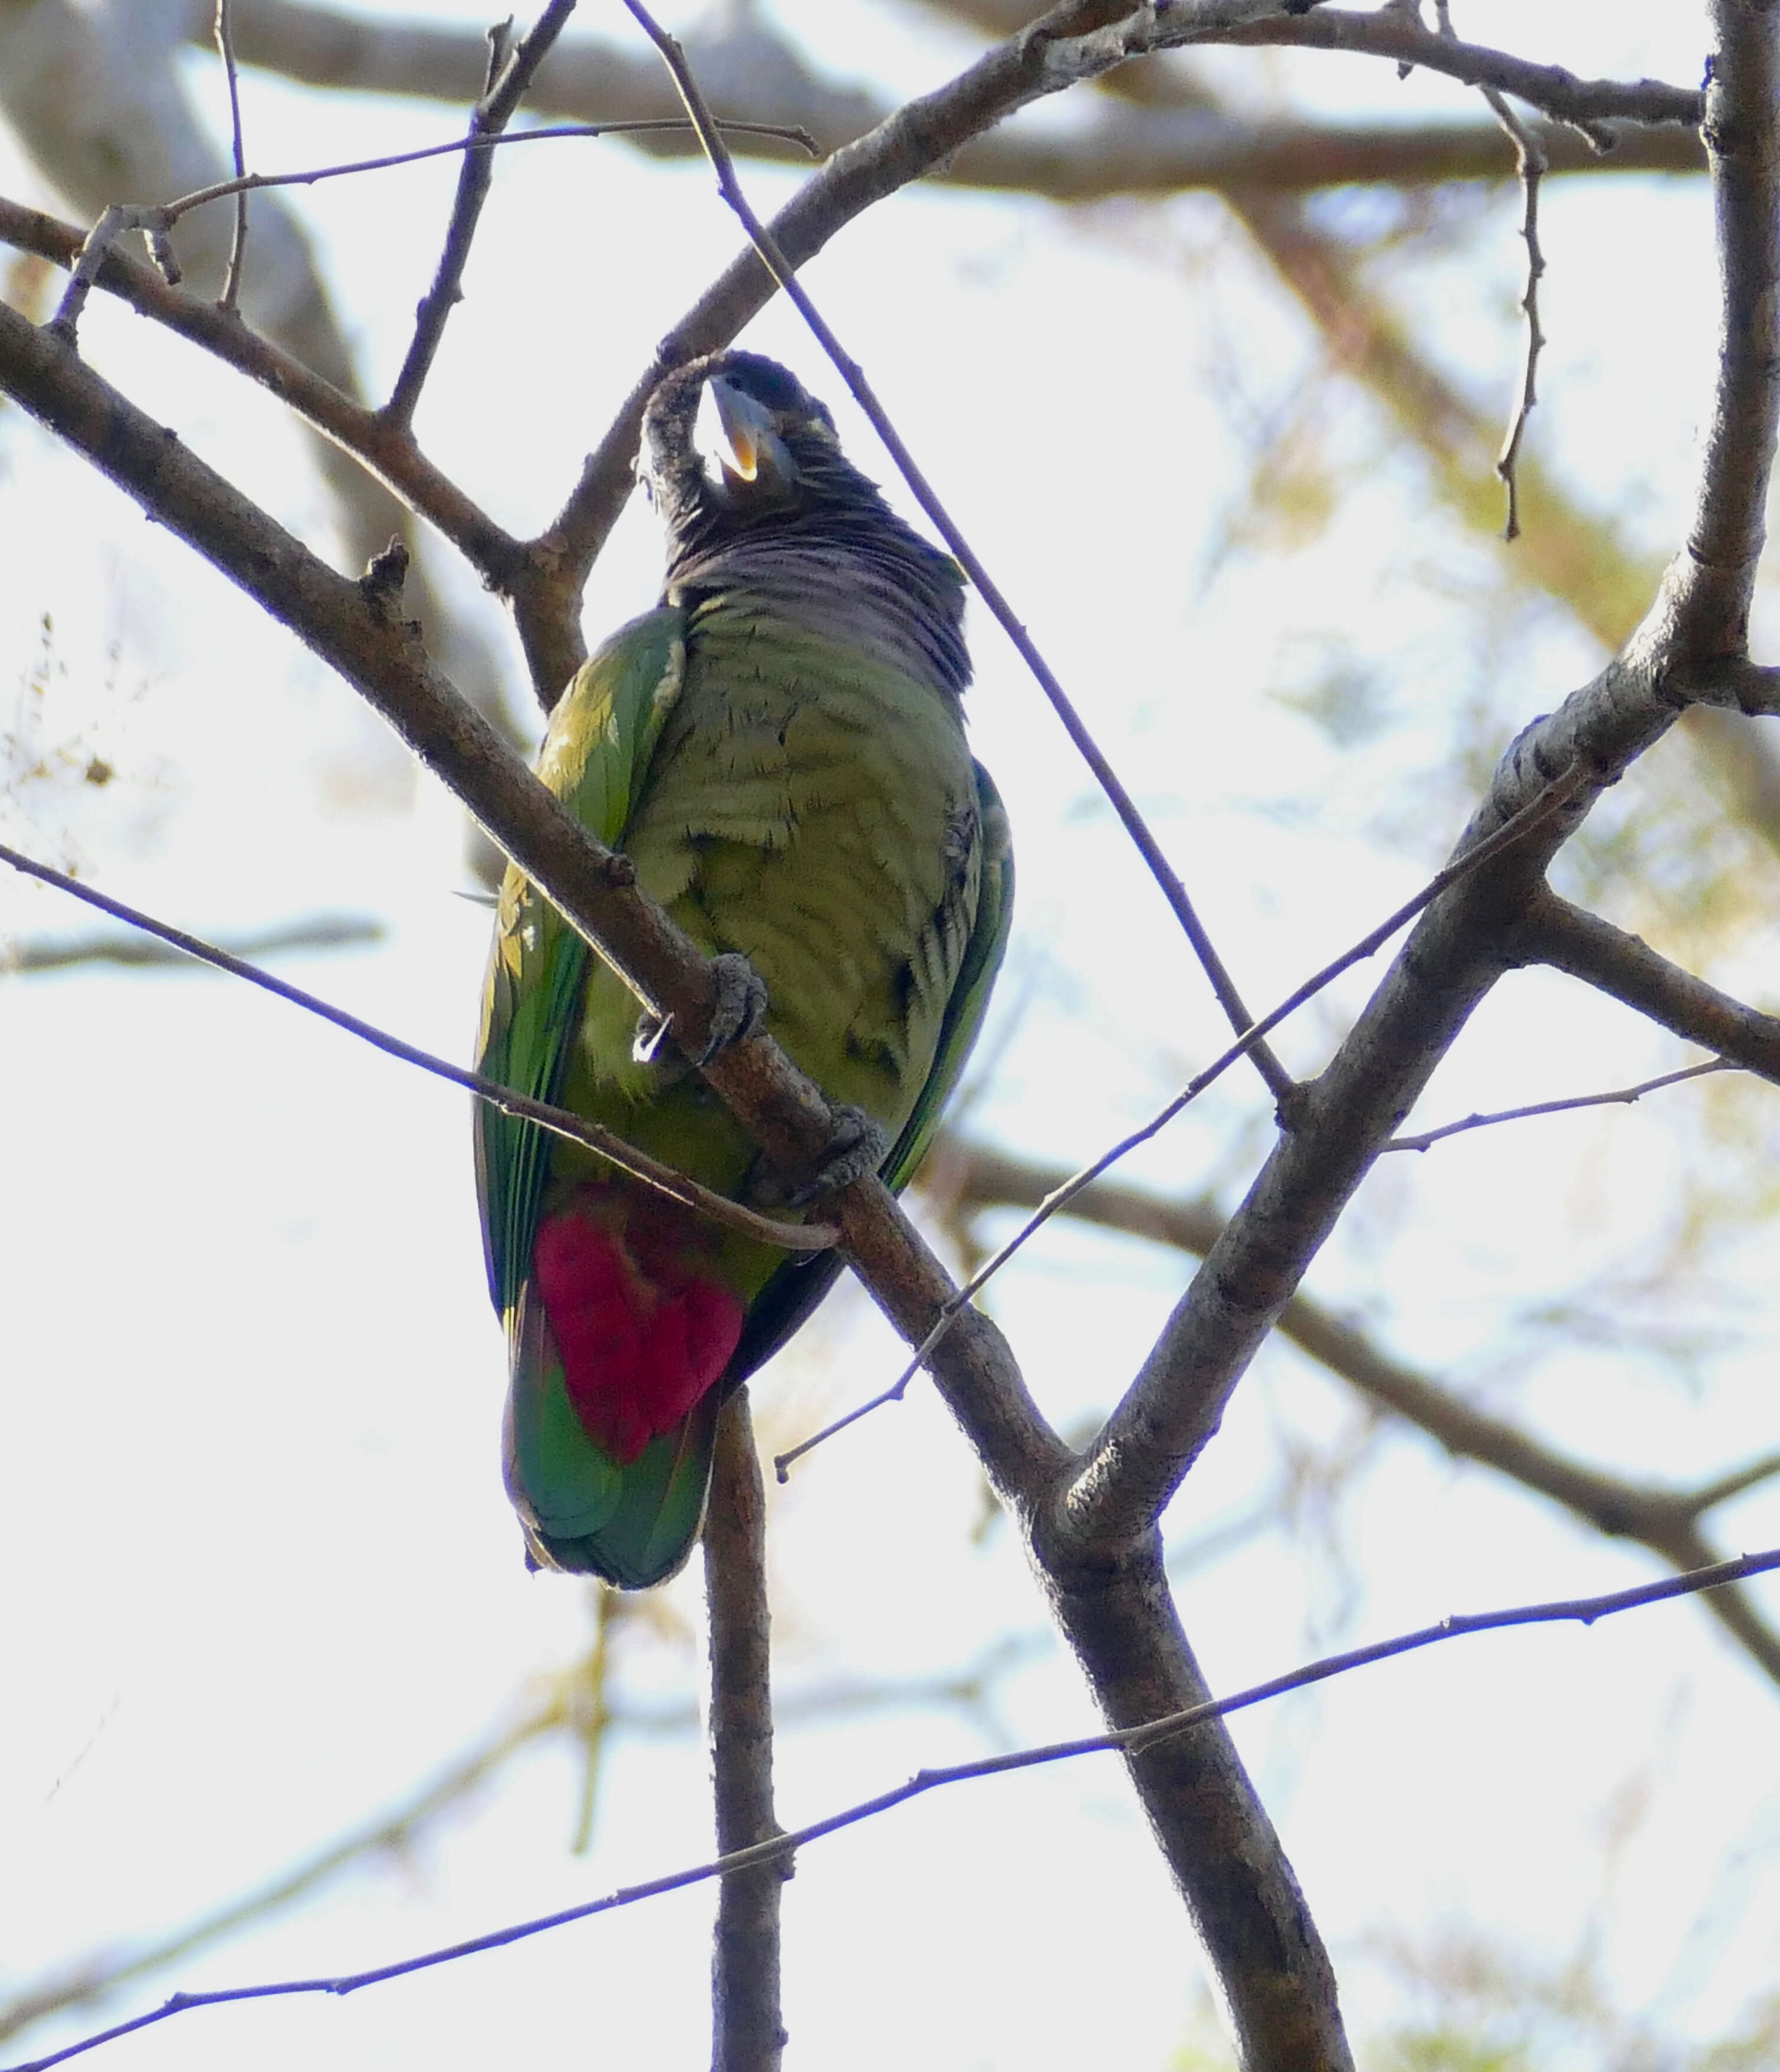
793	1292
601	735
596	754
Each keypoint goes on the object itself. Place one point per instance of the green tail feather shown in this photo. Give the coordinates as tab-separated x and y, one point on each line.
581	1511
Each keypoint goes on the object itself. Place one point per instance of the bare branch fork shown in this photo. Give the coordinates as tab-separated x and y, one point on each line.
1665	1519
1091	1523
775	1851
1536	813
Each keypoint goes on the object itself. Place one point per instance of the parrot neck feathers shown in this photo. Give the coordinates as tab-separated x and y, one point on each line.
812	539
862	586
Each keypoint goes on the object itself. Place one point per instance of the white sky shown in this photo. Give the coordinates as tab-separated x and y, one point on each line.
263	1575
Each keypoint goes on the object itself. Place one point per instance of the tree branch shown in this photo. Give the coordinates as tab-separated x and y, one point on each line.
1665	1520
1137	1740
749	2034
903	148
1133	151
1400	34
353	628
1459	949
560	1122
511	71
1570	939
237	251
1425	1140
388	452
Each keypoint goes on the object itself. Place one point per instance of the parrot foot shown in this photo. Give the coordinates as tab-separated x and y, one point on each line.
858	1146
738	1012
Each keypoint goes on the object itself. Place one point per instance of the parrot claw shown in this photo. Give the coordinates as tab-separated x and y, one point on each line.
738	1012
741	1004
858	1146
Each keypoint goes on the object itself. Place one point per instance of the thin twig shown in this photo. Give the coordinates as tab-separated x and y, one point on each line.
1585	1611
1279	1081
1570	939
117	221
1531	164
1531	816
155	220
231	297
1738	1482
576	1129
510	72
542	133
748	2034
1622	1096
1400	34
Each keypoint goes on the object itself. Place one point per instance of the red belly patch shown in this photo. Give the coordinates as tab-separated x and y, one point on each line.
642	1329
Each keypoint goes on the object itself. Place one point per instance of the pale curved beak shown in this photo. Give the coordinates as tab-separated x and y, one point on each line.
735	430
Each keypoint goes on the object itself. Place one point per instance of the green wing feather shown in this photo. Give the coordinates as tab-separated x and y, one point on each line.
601	737
583	1512
605	730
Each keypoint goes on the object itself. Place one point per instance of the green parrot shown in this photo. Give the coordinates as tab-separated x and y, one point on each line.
779	748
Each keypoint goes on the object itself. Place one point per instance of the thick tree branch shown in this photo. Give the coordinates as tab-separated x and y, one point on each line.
1663	1519
1458	950
1270	1966
748	2032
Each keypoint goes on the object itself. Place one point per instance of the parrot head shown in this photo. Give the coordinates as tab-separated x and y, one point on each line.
746	471
736	434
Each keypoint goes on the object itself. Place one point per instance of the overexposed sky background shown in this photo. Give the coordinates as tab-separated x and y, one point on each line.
261	1574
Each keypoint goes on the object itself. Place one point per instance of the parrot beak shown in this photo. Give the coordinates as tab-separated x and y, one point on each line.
735	431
